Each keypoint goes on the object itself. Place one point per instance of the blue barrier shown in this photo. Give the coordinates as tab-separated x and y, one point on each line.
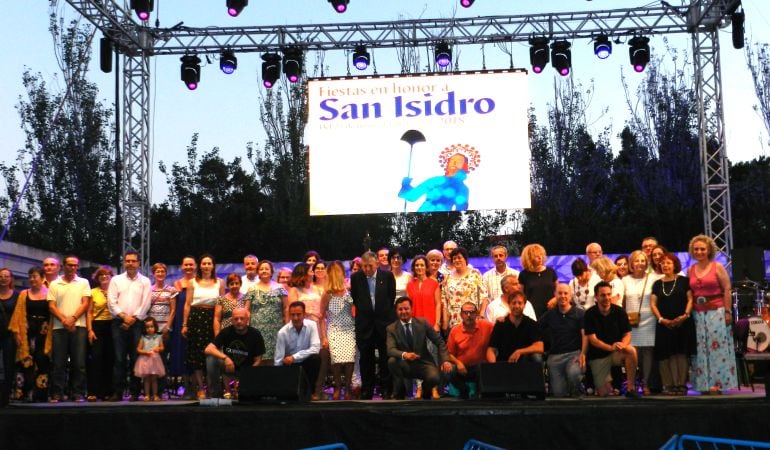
337	446
686	441
473	444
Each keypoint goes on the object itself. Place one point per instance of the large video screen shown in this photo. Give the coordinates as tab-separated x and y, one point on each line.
418	143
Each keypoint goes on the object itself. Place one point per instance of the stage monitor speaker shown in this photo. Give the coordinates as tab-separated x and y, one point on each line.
523	379
273	383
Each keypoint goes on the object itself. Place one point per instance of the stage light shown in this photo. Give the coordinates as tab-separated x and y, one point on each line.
602	47
538	53
443	54
340	5
143	8
105	55
292	64
228	62
561	57
466	3
191	71
361	58
234	7
639	52
738	18
271	69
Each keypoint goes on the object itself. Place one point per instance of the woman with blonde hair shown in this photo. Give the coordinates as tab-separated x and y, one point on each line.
714	365
638	289
337	314
607	271
538	281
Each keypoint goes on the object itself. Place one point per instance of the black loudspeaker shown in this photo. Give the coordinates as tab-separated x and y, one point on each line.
105	55
273	383
523	379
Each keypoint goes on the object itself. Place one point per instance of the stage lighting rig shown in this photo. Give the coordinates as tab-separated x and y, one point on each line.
228	62
191	71
340	5
538	53
466	3
292	64
602	47
443	54
639	52
361	58
561	57
234	7
142	8
271	69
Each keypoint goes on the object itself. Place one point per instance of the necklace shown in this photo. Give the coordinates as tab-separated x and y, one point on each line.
663	287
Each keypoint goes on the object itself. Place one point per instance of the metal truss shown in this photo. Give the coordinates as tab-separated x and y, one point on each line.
135	164
138	42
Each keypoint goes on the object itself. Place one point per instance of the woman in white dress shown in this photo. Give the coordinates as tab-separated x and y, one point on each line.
638	288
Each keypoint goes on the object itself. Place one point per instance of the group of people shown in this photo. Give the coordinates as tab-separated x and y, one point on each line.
381	330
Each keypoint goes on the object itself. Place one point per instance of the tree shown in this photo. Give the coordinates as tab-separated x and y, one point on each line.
570	177
750	202
759	64
69	202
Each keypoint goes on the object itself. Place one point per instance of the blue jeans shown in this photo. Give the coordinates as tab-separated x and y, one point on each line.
72	345
564	373
124	342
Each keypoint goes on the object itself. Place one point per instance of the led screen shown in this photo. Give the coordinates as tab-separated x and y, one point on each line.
422	143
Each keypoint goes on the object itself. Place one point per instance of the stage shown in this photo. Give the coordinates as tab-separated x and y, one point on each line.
590	422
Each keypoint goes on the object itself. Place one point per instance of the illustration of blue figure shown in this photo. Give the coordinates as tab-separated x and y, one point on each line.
446	192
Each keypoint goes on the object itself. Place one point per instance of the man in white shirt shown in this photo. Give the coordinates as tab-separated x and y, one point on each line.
298	342
129	299
68	300
494	276
249	278
498	308
446	267
593	251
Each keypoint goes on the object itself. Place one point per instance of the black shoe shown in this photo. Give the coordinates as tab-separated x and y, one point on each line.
113	398
632	393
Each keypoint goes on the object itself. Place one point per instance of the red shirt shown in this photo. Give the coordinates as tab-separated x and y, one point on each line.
470	347
423	298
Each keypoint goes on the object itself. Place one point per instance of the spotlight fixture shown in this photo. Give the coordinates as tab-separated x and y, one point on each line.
466	3
361	58
191	71
271	69
142	8
602	47
443	54
292	64
639	52
538	53
234	7
228	62
340	5
105	54
561	57
738	19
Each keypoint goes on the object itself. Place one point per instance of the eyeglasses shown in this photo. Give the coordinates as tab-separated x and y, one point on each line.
468	313
398	257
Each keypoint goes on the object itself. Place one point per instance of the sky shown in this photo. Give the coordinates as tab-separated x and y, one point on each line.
224	109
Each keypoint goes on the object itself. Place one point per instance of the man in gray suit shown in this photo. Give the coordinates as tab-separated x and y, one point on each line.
408	355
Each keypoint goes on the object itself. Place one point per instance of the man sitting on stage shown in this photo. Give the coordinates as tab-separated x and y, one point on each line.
298	343
467	347
236	346
609	336
563	326
408	355
515	337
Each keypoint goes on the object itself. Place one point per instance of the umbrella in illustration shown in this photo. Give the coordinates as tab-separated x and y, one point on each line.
411	137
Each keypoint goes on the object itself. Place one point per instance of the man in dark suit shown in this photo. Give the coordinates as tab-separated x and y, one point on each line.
408	355
373	291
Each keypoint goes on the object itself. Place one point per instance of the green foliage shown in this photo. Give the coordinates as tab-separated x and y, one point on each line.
69	203
750	200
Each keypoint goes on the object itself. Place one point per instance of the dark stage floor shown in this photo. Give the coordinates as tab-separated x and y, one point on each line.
612	423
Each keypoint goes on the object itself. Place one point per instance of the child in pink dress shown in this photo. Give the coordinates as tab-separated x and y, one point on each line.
149	366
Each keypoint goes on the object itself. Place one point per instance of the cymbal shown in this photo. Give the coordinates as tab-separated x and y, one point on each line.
745	284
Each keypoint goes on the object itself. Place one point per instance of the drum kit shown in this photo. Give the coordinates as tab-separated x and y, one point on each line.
751	314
